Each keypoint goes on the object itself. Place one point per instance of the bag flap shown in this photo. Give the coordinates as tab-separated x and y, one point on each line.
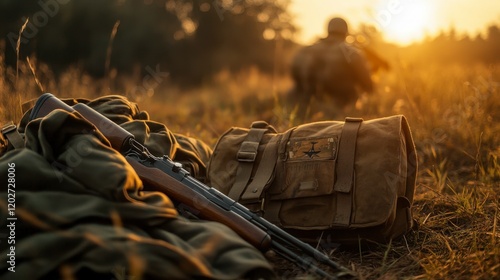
381	169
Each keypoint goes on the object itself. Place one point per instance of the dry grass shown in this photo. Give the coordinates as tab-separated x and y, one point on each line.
454	114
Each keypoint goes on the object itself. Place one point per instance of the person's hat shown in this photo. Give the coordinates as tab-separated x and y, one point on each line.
338	26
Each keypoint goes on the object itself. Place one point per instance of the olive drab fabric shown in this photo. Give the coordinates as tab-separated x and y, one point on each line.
341	180
192	153
82	212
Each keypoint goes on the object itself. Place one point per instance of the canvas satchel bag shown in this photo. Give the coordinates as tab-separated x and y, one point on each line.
346	181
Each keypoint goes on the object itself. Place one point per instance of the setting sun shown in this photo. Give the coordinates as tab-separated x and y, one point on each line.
404	22
401	21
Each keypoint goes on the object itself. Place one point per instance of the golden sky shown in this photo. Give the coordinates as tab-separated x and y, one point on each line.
401	21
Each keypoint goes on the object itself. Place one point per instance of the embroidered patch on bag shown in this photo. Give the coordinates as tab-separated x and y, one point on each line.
312	148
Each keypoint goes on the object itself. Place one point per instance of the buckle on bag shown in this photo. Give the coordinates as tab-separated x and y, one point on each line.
6	129
14	138
248	151
247	156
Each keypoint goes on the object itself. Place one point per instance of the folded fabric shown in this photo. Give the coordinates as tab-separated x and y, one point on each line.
159	140
82	212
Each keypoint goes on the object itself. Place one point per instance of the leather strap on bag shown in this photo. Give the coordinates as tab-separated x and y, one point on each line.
264	172
345	171
10	132
246	158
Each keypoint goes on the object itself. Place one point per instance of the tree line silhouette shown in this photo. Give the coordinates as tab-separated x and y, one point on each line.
189	39
449	47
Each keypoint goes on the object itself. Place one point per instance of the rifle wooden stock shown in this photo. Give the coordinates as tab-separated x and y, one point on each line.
46	104
116	135
162	182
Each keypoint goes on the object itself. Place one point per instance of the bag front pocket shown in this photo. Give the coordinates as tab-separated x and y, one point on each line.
304	189
308	168
307	178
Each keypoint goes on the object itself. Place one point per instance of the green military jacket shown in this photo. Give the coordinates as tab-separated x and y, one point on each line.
73	208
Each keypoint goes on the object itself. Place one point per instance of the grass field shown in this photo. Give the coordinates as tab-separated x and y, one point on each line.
454	113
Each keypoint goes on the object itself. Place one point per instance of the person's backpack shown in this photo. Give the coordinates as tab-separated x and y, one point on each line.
344	181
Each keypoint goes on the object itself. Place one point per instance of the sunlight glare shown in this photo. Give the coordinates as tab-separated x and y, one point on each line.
406	21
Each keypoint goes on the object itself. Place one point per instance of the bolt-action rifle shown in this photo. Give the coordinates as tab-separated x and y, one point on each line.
166	176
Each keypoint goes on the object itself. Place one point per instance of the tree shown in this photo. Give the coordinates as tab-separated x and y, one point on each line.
191	39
